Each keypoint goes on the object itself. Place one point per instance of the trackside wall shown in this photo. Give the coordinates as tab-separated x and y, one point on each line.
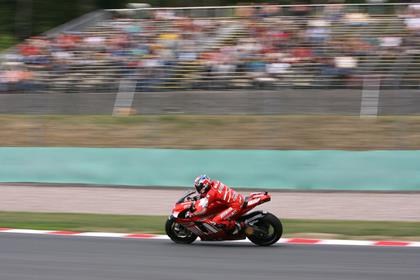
267	169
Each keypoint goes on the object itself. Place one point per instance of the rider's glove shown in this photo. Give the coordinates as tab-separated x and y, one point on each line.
192	208
189	215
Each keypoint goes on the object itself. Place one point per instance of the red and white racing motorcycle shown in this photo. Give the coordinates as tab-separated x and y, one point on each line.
261	227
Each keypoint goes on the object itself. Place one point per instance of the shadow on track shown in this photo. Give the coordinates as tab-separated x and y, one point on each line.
228	244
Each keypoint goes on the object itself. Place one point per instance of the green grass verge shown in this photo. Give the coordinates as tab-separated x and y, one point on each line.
155	224
83	222
228	131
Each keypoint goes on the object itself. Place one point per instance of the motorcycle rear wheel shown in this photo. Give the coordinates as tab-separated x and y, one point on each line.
178	233
266	231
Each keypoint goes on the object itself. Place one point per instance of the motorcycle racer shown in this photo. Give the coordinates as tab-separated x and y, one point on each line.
215	193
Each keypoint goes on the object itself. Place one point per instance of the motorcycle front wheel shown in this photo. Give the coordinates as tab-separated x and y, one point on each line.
178	233
266	231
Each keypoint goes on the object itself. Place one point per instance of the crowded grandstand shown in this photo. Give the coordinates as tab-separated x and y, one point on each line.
243	47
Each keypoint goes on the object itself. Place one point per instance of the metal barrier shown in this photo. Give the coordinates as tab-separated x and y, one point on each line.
284	10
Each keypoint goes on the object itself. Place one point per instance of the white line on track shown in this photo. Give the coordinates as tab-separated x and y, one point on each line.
384	243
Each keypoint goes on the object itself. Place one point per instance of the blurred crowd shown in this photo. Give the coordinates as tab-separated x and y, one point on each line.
256	48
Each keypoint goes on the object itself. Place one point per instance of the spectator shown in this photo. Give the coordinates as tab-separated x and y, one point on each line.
345	66
301	55
318	32
356	19
277	68
412	22
390	44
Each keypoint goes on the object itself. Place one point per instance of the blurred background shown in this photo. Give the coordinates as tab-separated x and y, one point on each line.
262	75
209	48
272	89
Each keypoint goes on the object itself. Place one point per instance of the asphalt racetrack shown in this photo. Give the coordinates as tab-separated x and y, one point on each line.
38	257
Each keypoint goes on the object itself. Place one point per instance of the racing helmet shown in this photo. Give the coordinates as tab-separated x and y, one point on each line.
202	184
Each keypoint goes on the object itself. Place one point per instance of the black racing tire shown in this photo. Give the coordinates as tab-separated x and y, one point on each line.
170	228
269	220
